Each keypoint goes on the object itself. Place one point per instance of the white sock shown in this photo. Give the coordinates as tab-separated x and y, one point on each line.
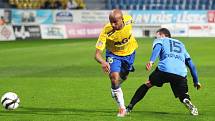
117	94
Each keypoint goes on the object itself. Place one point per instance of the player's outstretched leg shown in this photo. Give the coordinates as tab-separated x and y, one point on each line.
139	94
193	110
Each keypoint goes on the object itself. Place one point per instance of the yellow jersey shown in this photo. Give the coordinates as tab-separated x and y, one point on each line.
119	42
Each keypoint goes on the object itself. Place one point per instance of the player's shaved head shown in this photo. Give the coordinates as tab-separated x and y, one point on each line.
115	13
116	19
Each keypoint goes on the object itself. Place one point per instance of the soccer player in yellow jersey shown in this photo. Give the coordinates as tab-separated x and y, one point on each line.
116	37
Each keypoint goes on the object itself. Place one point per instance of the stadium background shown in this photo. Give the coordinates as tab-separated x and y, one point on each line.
53	71
184	18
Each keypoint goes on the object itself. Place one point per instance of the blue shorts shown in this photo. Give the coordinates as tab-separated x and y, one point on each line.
120	63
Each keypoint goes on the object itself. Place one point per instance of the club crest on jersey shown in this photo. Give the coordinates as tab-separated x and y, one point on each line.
110	60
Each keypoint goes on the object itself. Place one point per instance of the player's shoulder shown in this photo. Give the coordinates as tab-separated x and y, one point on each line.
157	41
127	19
108	27
166	39
176	40
173	39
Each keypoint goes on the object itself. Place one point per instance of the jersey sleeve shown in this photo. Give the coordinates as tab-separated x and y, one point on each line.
193	70
101	42
157	41
155	52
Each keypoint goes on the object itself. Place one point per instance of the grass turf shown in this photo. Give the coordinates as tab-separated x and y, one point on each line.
59	80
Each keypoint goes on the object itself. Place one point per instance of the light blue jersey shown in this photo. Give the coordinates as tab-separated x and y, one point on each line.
172	56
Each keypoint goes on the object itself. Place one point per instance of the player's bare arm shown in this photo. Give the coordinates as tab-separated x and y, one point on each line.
105	65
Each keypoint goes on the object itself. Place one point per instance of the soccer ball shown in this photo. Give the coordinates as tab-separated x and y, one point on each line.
10	101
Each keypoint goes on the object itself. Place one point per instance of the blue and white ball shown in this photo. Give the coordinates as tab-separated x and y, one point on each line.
10	101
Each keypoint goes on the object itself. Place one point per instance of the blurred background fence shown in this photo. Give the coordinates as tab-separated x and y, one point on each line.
59	19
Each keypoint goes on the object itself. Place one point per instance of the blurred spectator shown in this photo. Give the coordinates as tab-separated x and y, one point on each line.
81	4
47	5
2	21
71	4
12	4
57	5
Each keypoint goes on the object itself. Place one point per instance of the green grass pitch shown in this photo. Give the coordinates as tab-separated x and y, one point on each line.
59	80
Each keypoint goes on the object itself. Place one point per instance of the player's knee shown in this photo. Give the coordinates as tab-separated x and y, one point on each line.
148	84
115	82
114	78
184	96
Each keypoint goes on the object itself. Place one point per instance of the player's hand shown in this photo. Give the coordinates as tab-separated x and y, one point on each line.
149	66
197	85
106	67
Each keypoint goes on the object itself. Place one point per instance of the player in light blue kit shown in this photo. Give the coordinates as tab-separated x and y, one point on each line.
171	69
